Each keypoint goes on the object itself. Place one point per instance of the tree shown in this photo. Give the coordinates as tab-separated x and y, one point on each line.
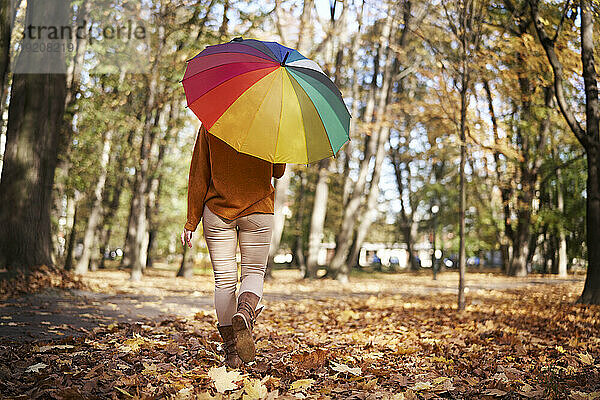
375	112
589	137
467	33
35	119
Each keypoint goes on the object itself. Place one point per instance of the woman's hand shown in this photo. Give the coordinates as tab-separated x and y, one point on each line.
186	237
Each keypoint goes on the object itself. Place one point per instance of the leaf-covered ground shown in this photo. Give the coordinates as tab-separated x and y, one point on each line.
381	336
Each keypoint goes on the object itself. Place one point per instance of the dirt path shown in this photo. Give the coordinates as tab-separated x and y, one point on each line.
54	314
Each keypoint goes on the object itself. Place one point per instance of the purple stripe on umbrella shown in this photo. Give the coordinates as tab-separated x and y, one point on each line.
233	48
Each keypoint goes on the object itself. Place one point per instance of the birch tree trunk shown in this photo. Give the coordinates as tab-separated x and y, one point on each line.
72	205
317	219
562	241
338	268
371	211
281	188
138	233
89	241
298	251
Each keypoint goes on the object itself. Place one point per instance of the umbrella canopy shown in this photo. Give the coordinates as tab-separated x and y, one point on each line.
267	100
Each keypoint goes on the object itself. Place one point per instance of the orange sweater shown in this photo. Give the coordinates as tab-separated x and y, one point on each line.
231	184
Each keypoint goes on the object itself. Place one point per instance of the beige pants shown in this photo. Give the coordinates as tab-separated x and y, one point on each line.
221	235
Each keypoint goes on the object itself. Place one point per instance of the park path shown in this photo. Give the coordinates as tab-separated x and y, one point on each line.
54	314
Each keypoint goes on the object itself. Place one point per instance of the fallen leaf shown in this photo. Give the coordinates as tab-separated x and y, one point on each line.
254	390
586	358
123	391
421	386
36	367
495	392
44	349
310	360
302	384
345	369
224	380
370	385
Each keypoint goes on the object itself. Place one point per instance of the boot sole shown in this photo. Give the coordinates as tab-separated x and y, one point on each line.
244	343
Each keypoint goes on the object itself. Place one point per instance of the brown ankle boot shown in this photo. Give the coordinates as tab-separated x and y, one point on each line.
231	356
243	323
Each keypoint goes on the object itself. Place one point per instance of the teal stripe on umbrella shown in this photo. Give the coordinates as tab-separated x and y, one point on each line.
326	103
333	96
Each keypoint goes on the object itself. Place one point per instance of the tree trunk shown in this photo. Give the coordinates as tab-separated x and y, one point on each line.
505	189
97	251
129	232
113	205
518	266
589	138
224	22
34	122
317	220
138	234
71	210
591	288
463	199
370	213
5	36
407	225
562	240
186	268
338	268
89	239
154	191
298	250
307	6
281	188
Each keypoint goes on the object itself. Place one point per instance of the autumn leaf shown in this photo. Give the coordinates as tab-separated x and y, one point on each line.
310	360
370	385
586	358
302	384
578	395
36	367
421	386
184	394
254	389
345	369
44	349
125	392
495	392
224	380
208	396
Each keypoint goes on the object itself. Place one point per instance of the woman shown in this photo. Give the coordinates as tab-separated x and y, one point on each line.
232	193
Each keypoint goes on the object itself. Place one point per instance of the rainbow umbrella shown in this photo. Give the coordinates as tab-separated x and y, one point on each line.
267	100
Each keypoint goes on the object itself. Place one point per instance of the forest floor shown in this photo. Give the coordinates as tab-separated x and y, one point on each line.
396	336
